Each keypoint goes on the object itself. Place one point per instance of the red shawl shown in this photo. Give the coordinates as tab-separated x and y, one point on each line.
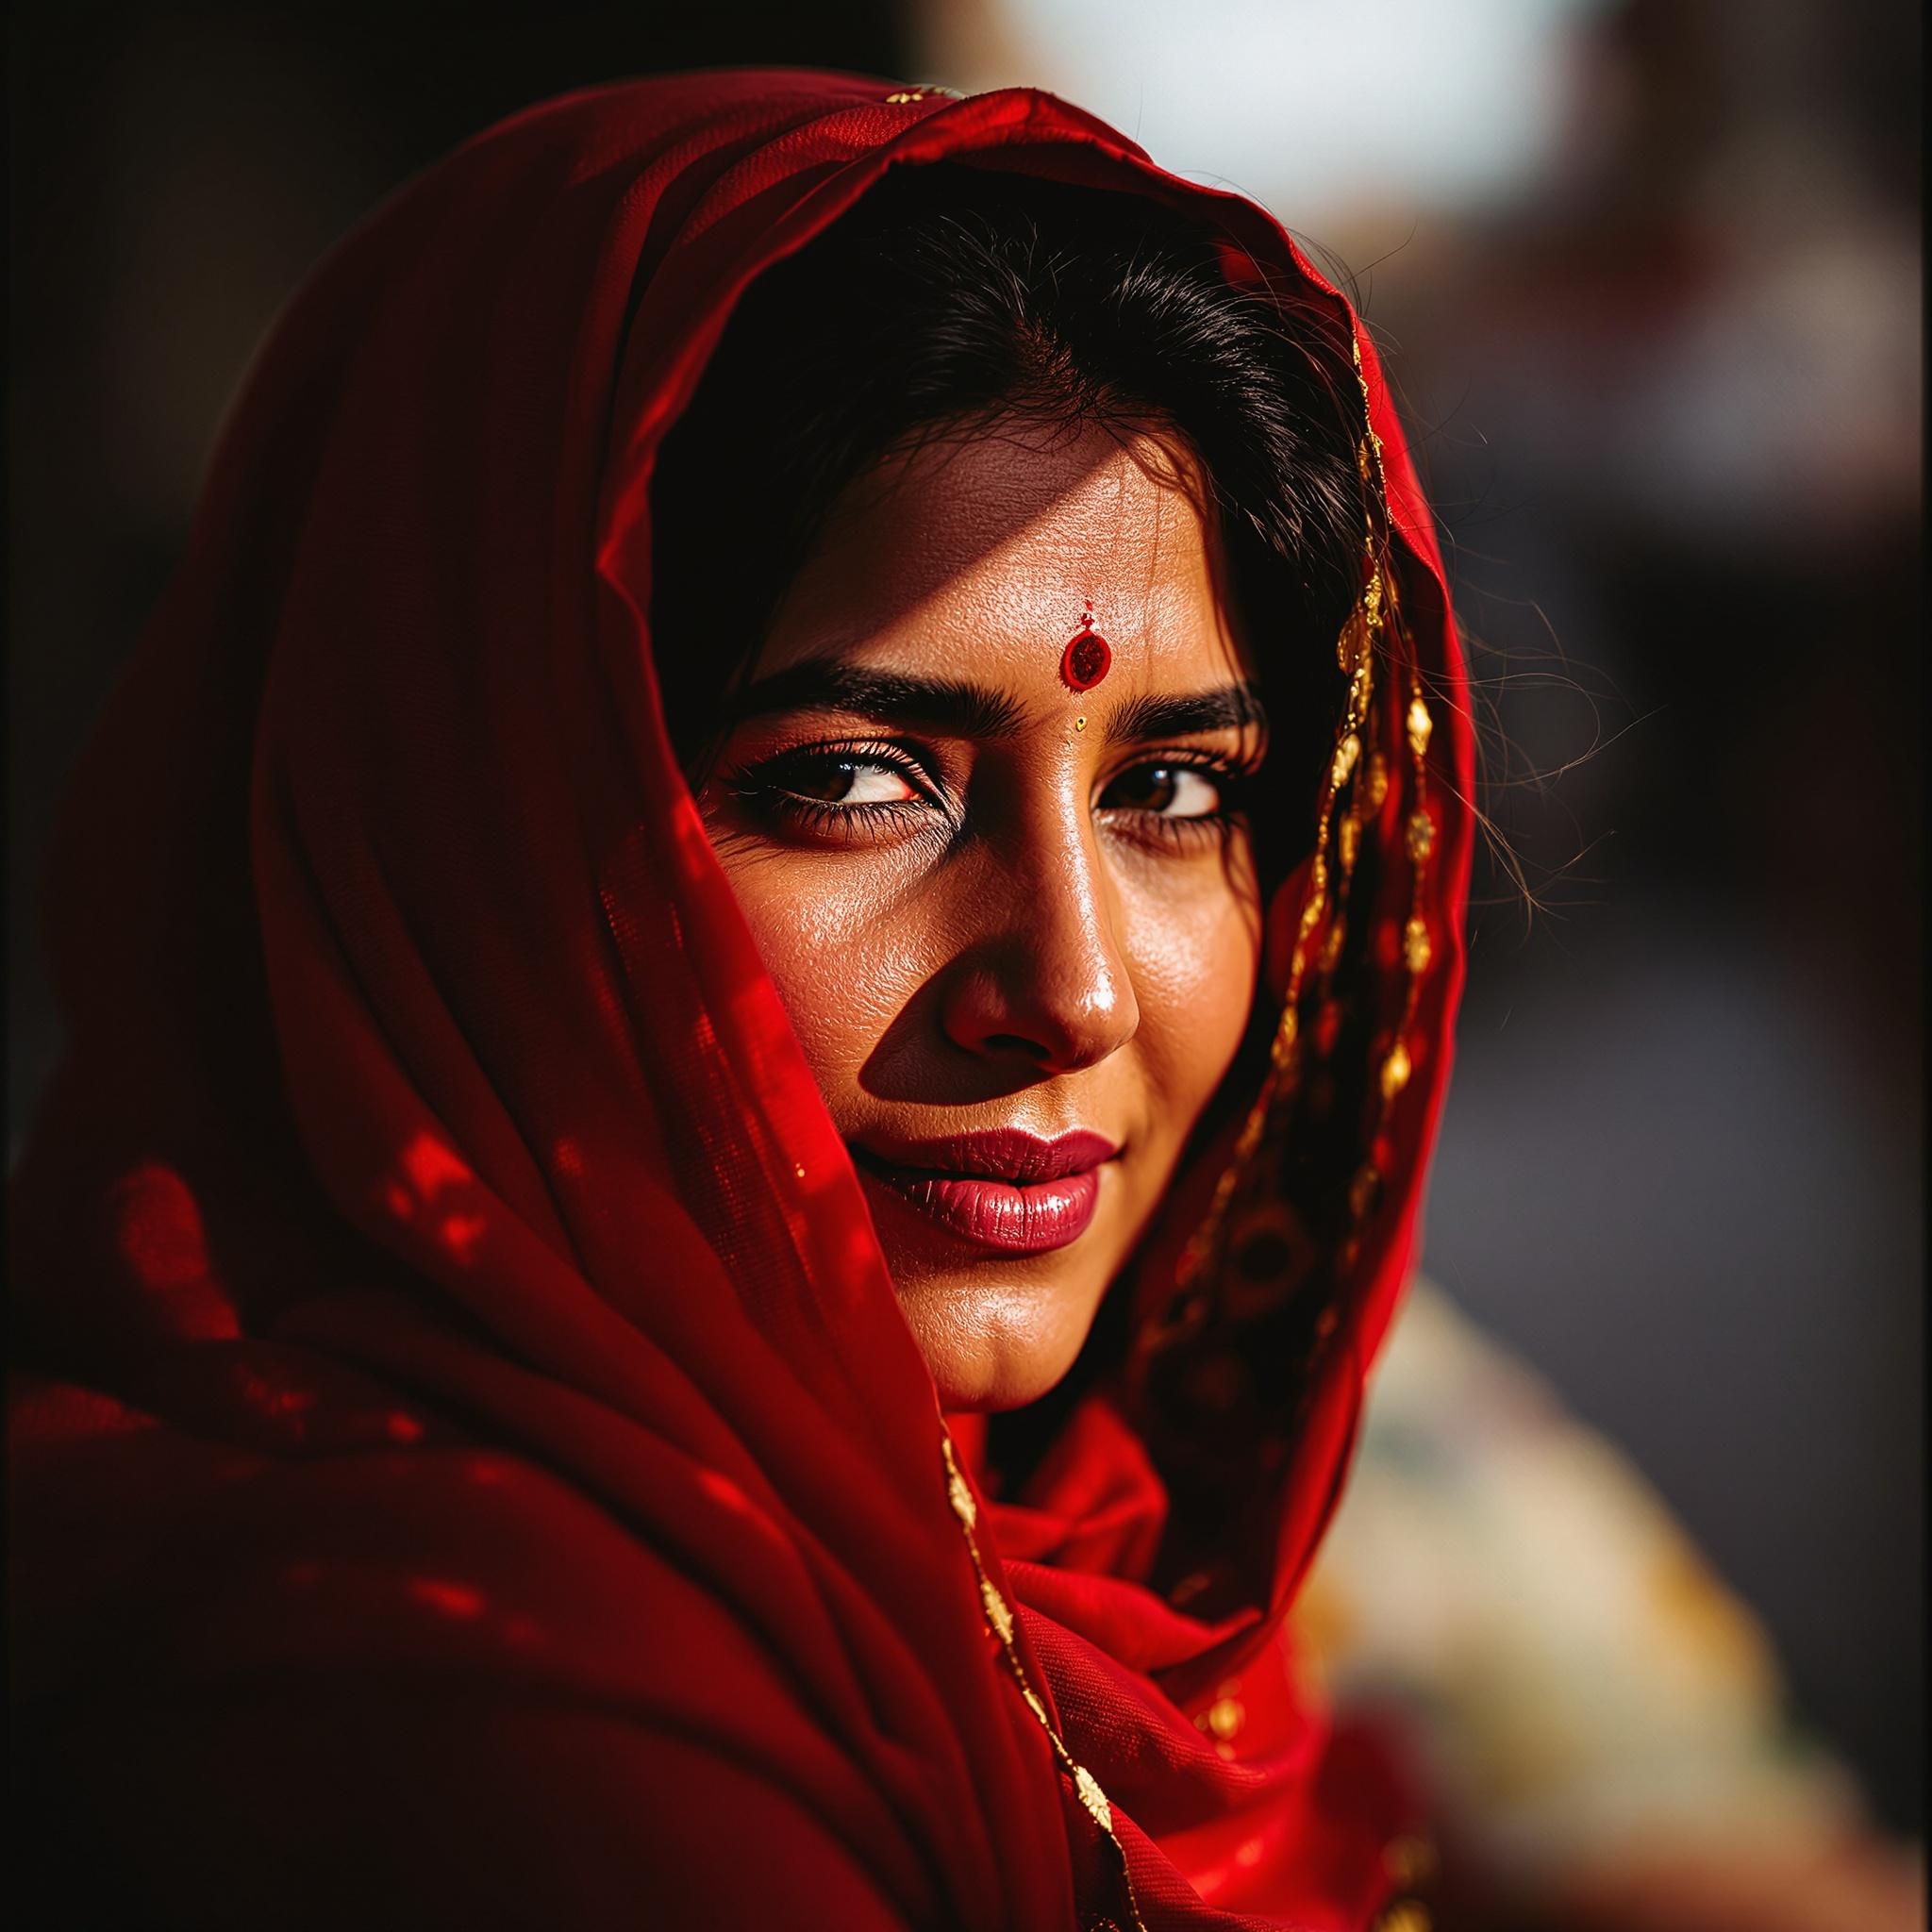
470	1466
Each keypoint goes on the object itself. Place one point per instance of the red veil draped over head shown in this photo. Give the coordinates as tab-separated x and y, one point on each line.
470	1466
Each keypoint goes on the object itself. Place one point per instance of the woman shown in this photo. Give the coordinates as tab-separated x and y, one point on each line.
758	965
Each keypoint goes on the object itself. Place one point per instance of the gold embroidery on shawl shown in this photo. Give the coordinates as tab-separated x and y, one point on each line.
999	1619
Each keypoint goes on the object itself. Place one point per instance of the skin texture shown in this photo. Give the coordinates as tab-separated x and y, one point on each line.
1003	921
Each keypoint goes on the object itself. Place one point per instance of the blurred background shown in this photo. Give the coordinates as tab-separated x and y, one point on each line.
1649	275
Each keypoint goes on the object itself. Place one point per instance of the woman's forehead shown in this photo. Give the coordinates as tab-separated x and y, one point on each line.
991	545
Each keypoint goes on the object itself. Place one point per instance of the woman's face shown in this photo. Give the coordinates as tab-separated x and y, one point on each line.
1016	927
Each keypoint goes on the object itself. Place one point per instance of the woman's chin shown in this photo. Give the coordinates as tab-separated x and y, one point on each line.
996	1345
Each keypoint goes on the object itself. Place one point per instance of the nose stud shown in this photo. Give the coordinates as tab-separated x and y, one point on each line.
1087	657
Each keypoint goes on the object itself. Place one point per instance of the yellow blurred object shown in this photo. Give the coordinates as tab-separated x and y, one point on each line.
1580	1686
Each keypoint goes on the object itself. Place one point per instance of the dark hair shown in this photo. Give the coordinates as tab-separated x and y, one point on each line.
952	295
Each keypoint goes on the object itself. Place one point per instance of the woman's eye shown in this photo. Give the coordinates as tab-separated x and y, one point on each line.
1172	792
848	780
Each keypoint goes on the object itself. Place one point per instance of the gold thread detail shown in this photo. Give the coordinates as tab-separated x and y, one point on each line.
1395	1071
1375	786
1355	654
960	1496
1419	836
997	1614
1415	945
1094	1798
999	1619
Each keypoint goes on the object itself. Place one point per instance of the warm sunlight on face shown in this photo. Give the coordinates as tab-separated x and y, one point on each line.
1016	927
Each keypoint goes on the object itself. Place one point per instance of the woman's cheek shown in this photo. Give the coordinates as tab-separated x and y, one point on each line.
1197	959
834	940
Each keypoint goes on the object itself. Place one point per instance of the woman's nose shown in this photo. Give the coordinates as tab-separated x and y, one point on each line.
1045	979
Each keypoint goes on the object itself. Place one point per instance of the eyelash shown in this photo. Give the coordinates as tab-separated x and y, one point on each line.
1232	781
760	785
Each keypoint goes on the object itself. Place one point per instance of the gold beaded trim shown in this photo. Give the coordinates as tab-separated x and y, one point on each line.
1355	651
1364	776
1418	842
999	1618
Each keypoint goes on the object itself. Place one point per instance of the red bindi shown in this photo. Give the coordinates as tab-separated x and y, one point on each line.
1087	655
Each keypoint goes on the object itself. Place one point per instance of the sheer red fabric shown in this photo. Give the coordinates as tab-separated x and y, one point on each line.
469	1464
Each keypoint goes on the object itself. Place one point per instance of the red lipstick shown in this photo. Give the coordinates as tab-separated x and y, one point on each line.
1007	1191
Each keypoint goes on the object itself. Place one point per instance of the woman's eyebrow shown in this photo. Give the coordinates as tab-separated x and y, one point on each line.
956	706
1231	708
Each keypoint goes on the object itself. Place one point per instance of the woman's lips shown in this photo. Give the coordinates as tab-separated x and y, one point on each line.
1007	1191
